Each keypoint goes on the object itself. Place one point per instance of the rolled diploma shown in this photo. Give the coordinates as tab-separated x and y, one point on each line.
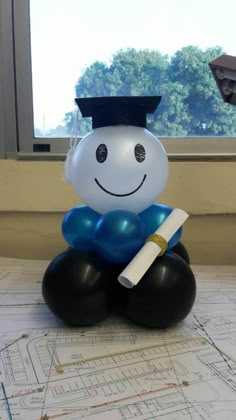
138	266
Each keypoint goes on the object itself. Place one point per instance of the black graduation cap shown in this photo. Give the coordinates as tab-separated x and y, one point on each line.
118	110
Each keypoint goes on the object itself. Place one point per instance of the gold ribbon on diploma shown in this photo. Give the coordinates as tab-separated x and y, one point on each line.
159	240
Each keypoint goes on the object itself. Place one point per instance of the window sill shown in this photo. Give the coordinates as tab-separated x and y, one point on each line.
188	148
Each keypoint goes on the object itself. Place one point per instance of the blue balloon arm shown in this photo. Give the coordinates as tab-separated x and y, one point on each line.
78	227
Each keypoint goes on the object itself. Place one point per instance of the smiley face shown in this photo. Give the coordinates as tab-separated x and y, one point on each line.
119	167
101	154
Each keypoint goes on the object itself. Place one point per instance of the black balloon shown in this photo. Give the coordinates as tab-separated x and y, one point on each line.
180	250
79	287
165	294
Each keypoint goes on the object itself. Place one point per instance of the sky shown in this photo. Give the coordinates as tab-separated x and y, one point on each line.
68	35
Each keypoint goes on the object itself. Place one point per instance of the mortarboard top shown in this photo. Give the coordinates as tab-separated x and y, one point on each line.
118	110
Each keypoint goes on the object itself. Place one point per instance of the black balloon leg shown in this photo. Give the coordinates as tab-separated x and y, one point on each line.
79	287
165	294
181	250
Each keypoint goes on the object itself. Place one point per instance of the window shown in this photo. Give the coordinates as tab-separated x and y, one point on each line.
74	48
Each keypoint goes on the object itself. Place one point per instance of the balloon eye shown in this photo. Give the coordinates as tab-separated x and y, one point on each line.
101	153
139	153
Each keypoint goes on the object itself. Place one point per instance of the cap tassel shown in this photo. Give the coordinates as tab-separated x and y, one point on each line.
74	141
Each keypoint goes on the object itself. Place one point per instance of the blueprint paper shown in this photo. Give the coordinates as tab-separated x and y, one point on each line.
115	369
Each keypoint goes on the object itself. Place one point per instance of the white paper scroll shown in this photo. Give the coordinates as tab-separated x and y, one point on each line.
135	270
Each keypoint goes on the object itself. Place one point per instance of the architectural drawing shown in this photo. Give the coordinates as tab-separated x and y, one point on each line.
116	370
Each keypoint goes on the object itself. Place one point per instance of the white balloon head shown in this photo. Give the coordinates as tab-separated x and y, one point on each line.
119	164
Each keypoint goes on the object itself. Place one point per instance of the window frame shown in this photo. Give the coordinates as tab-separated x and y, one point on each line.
24	91
8	128
193	148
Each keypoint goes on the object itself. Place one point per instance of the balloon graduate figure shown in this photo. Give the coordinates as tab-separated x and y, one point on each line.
119	169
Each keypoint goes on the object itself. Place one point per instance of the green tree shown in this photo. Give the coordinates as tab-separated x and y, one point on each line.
208	114
191	103
130	73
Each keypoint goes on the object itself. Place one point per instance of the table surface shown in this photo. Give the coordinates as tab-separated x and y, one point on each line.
116	370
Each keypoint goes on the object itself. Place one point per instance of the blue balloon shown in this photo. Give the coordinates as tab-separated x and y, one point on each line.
154	216
119	236
78	227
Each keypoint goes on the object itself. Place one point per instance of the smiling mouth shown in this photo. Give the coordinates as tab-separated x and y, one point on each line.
120	195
